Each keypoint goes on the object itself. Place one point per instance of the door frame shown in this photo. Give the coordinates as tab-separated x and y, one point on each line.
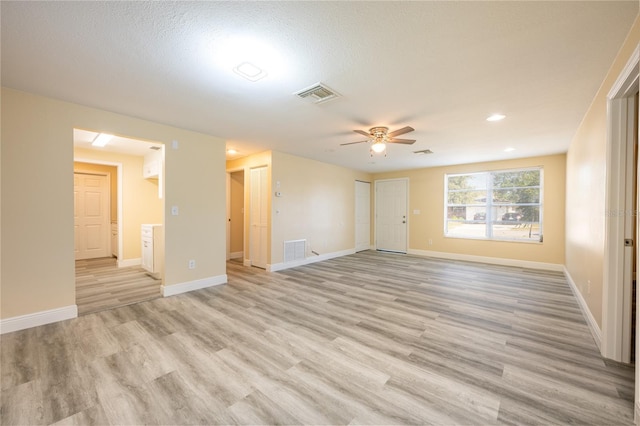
620	121
119	197
375	214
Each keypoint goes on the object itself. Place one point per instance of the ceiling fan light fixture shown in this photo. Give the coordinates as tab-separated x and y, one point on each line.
378	147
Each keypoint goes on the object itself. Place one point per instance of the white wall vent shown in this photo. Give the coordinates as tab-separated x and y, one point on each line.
294	250
318	93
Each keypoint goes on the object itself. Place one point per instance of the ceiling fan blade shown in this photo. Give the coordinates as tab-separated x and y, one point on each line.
404	141
401	131
363	133
351	143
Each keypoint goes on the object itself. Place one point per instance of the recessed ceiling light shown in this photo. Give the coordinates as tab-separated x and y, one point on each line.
496	117
509	149
231	151
230	51
102	139
250	72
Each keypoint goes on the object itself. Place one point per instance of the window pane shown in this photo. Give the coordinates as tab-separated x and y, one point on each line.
467	197
527	231
516	196
507	209
516	178
471	181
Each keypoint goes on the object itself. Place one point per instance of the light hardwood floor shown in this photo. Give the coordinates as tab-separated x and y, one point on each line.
101	285
372	338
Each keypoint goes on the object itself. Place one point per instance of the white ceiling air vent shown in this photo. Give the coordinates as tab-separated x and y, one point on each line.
318	93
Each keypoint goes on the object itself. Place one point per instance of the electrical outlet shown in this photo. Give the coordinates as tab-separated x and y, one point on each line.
430	241
192	264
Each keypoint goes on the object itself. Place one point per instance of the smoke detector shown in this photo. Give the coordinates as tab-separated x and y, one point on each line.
318	93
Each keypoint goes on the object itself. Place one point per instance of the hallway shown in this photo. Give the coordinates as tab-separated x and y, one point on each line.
101	285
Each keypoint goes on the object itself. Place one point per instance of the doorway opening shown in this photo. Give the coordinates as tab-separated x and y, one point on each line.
118	194
235	215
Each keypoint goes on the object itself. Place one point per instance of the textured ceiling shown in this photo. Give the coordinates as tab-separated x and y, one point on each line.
440	67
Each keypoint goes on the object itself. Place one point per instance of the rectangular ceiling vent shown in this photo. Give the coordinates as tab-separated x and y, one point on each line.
318	93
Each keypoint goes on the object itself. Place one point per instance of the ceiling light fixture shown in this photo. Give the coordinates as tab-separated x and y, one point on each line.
250	72
496	117
509	149
102	139
378	146
231	151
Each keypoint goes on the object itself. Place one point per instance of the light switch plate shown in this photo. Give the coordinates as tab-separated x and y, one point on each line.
174	210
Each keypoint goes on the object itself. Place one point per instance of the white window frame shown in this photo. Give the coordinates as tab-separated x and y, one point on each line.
489	205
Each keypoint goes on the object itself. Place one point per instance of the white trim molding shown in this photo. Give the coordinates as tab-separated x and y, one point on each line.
616	293
35	319
236	255
491	260
172	290
281	266
586	312
125	263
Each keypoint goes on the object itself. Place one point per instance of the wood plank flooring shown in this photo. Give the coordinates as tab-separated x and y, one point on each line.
101	285
372	338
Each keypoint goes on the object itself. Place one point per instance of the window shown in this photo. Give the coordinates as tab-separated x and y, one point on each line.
498	205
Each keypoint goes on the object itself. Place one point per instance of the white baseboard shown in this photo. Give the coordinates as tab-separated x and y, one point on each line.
588	316
246	262
236	255
124	263
35	319
280	266
172	290
491	260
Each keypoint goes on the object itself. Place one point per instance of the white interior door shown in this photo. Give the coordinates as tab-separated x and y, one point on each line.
258	219
363	215
391	215
91	215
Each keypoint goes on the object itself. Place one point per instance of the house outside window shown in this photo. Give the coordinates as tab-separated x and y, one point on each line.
498	205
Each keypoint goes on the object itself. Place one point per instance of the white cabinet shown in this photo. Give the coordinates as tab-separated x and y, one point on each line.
152	165
114	239
153	249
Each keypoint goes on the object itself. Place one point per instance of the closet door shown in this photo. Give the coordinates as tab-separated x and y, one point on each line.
259	217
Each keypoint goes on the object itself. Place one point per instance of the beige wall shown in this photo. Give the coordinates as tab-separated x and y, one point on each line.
246	164
236	199
586	176
112	172
37	176
317	204
140	201
426	193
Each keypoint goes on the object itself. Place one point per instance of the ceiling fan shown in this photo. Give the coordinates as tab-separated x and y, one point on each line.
380	136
